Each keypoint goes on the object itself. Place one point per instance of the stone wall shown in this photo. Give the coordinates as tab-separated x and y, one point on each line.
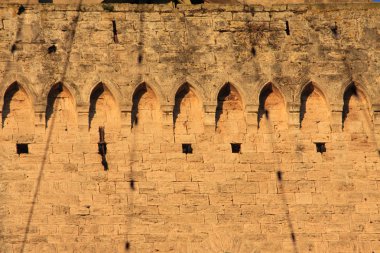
281	107
258	2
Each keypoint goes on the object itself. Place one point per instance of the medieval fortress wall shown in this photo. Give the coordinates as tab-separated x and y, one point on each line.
297	86
261	2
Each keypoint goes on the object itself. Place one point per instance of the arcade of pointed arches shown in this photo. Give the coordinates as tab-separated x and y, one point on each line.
188	112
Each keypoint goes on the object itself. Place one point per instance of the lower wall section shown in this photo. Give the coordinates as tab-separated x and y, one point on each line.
277	195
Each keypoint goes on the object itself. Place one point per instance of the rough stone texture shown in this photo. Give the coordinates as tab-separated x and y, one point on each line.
205	75
261	2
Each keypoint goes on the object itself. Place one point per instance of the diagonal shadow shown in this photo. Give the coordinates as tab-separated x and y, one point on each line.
264	112
286	207
132	155
13	47
44	158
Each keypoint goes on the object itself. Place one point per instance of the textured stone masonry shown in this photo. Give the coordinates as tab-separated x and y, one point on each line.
261	2
277	80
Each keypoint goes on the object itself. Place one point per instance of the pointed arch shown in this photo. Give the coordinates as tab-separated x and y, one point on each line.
314	112
23	81
103	110
187	111
17	112
359	87
145	105
112	87
355	113
316	87
272	108
15	92
61	104
154	86
195	87
23	86
229	116
70	88
237	89
269	87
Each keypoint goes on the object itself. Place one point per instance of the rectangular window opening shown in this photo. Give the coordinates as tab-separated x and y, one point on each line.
187	149
45	1
22	148
321	147
235	147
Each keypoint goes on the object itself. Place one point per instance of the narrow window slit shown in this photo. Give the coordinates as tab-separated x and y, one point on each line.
279	175
22	148
140	58
187	149
293	236
287	29
115	39
235	147
102	147
253	51
334	30
13	48
321	147
132	184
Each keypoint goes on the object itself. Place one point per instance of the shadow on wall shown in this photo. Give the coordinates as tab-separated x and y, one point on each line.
95	95
282	192
187	111
349	95
17	115
74	25
9	94
53	95
179	97
266	91
306	93
272	111
137	96
61	105
314	112
145	108
222	96
103	111
314	109
229	116
355	112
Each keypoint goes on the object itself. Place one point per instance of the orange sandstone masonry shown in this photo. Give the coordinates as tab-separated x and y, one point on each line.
228	128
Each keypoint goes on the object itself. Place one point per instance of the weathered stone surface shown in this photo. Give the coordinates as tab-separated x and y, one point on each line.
297	86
